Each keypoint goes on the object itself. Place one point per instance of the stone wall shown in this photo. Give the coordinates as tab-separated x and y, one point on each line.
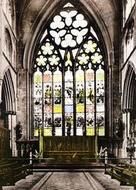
8	40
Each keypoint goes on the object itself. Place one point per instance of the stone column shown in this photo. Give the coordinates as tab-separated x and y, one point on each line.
124	153
22	100
0	48
13	140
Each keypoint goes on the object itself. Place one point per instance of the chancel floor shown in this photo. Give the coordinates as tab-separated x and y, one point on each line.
67	180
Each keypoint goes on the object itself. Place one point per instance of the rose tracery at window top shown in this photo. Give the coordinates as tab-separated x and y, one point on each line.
68	29
69	77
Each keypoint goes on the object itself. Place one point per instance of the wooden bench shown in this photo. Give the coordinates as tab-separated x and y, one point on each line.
124	173
12	170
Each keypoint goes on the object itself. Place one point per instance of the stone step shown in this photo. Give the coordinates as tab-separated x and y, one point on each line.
108	183
8	188
27	183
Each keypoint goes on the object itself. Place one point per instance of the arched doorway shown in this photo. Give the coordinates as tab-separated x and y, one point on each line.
69	79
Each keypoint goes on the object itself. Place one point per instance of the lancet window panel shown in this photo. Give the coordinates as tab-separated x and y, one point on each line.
69	78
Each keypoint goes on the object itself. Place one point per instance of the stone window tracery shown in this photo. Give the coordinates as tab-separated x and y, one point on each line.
69	77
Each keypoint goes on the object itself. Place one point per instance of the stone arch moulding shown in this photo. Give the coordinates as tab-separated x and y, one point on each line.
9	43
9	92
46	13
127	87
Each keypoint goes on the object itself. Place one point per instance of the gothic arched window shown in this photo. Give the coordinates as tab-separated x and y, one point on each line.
69	77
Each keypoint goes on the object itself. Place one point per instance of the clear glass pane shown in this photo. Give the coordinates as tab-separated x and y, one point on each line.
96	58
100	75
68	5
64	43
94	33
68	20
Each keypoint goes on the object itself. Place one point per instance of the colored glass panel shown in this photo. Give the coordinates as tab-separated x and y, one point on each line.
68	103
57	91
79	89
100	101
37	98
47	79
47	87
90	124
69	124
69	88
80	108
100	123
90	86
80	124
47	120
47	132
58	124
90	102
69	108
57	108
80	103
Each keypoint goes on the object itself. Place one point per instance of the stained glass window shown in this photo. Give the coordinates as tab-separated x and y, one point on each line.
69	77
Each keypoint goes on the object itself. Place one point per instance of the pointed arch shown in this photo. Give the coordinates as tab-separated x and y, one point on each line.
43	18
129	89
8	94
46	13
69	76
